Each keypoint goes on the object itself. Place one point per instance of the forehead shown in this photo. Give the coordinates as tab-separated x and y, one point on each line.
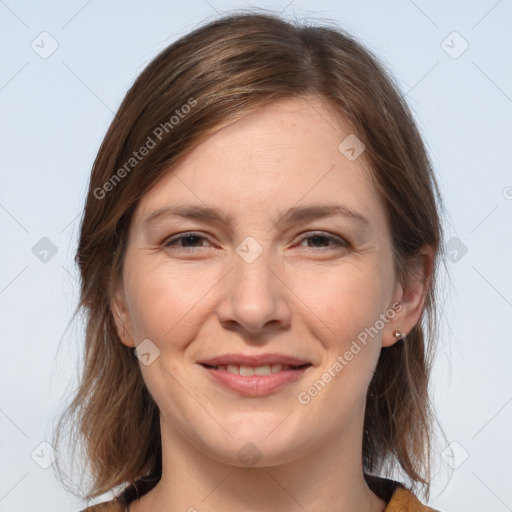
282	154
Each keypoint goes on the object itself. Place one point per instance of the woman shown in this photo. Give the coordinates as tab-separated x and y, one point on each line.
258	255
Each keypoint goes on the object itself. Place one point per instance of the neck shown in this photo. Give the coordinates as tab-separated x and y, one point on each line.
328	478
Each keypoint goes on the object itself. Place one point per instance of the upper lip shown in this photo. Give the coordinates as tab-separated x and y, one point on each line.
255	360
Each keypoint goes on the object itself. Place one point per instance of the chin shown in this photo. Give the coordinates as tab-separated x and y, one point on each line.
255	450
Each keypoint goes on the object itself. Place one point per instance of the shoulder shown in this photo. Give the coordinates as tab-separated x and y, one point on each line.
396	495
114	505
130	493
404	500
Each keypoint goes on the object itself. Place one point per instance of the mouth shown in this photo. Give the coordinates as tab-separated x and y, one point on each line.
255	381
262	370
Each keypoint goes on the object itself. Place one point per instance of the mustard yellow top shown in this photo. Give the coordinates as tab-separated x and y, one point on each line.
396	496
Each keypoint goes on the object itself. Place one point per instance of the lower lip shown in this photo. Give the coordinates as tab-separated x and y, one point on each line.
256	385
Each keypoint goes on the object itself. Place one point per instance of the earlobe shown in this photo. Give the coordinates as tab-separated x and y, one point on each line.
394	330
122	318
411	299
398	335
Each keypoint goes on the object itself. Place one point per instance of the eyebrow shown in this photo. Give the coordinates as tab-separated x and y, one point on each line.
294	215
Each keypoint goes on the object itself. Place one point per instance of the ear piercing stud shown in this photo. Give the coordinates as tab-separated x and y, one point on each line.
398	334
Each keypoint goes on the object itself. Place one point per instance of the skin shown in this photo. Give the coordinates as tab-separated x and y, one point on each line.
302	296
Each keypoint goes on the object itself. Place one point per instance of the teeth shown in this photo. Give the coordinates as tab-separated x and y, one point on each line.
261	370
233	368
276	368
246	370
267	369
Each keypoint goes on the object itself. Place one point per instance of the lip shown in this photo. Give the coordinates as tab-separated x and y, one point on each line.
255	385
255	360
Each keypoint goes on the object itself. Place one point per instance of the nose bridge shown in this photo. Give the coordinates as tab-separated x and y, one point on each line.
252	266
254	295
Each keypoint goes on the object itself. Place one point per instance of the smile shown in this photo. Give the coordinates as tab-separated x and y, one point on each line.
245	370
255	381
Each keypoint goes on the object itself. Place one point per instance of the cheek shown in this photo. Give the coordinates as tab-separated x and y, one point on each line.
343	308
165	303
167	306
341	302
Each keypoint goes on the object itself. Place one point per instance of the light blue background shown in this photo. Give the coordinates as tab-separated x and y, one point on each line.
55	112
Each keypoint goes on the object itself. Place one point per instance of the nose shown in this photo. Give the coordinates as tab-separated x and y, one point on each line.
254	297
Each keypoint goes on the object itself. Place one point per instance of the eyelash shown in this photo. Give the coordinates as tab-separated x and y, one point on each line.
338	241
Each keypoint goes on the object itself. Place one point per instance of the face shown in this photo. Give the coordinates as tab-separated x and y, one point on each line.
267	281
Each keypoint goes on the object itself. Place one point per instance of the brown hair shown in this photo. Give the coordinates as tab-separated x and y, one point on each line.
199	83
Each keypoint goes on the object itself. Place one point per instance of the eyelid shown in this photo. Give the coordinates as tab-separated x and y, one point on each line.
324	234
180	236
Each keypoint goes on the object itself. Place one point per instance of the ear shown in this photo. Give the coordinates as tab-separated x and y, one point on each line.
122	317
411	299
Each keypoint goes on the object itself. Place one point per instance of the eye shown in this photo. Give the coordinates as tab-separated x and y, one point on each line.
189	241
322	238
